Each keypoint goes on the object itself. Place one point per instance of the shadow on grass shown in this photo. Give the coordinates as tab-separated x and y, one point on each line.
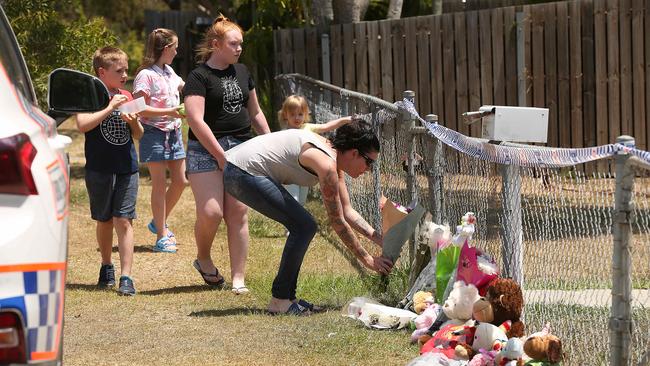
136	249
180	290
86	287
229	312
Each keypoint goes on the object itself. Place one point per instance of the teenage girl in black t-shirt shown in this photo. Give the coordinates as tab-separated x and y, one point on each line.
221	106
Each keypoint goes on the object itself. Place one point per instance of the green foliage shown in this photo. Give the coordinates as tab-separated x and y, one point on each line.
260	18
49	40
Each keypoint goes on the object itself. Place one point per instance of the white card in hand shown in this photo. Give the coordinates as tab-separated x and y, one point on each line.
134	106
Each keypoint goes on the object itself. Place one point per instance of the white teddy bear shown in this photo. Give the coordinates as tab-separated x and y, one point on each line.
458	306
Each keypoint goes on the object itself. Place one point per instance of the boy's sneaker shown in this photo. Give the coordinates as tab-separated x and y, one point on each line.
126	286
106	276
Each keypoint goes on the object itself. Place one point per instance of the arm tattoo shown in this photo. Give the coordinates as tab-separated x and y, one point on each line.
332	202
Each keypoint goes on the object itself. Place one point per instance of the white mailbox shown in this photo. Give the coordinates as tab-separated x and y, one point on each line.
515	124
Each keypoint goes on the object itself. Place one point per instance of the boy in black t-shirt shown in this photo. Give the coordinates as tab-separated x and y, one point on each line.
112	168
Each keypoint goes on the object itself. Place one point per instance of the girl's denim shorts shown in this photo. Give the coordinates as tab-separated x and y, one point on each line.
199	160
158	145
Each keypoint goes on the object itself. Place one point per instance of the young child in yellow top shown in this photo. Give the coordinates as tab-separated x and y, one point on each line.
295	114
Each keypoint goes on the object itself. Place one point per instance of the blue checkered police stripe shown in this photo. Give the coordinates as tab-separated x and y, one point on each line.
38	295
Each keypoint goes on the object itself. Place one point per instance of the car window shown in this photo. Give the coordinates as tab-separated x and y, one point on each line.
12	60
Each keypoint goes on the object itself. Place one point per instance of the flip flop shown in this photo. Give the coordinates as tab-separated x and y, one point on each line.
242	290
311	307
219	279
294	309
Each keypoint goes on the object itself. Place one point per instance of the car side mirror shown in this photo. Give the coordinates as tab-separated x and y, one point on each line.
71	92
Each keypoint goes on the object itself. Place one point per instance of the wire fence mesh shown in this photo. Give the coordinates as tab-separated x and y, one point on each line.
548	225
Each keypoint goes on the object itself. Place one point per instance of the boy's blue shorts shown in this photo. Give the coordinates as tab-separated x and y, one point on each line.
159	145
112	195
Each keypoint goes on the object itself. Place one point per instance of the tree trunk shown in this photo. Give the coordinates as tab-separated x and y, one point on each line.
395	9
322	13
349	11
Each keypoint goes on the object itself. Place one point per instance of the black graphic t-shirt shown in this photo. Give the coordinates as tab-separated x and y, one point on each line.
109	146
226	95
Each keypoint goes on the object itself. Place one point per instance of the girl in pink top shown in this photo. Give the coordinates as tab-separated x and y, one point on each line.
161	146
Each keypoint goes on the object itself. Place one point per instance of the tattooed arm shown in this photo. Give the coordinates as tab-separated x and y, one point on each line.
355	219
328	177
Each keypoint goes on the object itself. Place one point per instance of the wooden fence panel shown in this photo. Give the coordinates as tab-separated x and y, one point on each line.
638	75
313	47
528	55
336	52
449	72
510	53
625	25
647	70
287	44
563	87
374	64
575	62
537	52
460	45
498	60
613	74
399	66
361	57
588	61
550	68
411	60
424	66
473	68
625	46
601	106
386	61
349	59
298	40
486	57
435	49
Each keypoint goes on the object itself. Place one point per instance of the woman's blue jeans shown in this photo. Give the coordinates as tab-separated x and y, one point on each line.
272	200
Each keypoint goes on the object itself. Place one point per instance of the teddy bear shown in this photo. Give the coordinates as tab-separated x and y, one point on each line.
427	310
543	348
459	305
421	301
485	337
511	354
503	301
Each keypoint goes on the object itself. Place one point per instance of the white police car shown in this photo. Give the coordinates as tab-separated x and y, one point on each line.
34	193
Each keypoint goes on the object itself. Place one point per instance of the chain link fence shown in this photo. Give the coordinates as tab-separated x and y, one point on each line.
550	226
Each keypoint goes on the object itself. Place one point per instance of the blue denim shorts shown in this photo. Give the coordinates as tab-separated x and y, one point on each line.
158	145
111	195
199	160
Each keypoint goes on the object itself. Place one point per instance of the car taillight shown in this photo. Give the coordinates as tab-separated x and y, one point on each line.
16	156
12	339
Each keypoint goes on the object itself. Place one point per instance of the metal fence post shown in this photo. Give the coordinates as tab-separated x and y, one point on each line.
620	322
410	175
512	248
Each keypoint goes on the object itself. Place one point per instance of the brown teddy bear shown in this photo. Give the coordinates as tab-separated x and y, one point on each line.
503	301
543	349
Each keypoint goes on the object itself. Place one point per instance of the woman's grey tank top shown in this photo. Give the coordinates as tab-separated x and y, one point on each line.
276	154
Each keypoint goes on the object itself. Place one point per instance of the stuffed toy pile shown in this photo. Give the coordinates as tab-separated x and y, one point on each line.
482	317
